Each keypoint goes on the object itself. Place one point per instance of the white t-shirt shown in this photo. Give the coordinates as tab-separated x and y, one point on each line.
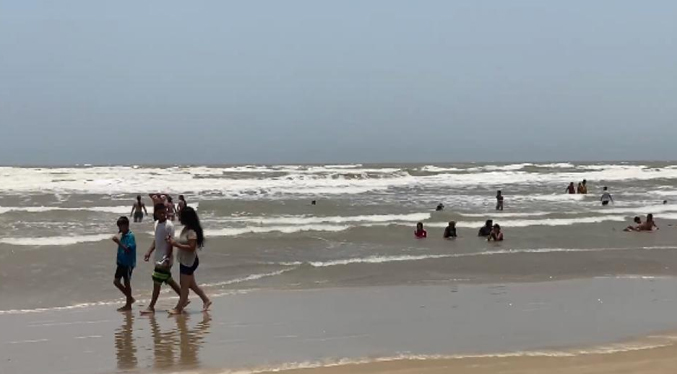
606	196
162	230
187	258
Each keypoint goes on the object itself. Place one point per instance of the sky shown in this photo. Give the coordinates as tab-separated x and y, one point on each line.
308	81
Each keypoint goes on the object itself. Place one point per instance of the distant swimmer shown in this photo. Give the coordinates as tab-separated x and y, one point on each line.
450	231
606	197
638	223
138	210
571	190
649	225
314	202
440	207
486	229
420	233
665	202
583	187
496	234
499	200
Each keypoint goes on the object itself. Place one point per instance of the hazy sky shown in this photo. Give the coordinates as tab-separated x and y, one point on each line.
336	81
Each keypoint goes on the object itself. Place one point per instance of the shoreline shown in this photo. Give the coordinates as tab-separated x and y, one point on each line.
273	329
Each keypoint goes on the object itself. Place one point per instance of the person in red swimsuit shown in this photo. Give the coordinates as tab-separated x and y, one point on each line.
420	233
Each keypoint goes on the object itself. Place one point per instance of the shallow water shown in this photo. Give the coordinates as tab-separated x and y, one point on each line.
262	230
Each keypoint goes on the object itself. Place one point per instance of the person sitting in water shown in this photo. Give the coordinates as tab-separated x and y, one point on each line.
450	231
420	233
496	234
649	225
638	223
571	189
606	197
486	229
440	207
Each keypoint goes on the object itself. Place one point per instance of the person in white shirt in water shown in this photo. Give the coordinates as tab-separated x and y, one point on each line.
164	230
606	197
190	241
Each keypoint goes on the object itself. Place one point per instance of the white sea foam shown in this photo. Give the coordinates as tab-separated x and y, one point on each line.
649	343
438	169
498	215
298	180
536	222
309	220
248	278
120	209
236	231
403	258
55	240
558	165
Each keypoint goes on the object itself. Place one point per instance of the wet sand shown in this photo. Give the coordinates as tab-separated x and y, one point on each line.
274	329
652	361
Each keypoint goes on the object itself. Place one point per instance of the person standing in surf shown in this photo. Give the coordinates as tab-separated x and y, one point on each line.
126	261
171	209
156	199
571	190
606	197
190	241
138	210
181	206
162	273
499	200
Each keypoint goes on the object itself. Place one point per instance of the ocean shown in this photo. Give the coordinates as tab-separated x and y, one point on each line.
264	235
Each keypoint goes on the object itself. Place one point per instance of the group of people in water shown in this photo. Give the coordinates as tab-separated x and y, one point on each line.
582	188
190	241
173	211
493	232
490	231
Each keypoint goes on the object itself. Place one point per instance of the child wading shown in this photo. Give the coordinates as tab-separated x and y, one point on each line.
126	261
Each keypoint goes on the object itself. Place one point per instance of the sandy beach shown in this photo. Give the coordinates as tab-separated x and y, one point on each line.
573	325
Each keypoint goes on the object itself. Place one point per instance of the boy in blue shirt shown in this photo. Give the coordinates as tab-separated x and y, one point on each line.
126	261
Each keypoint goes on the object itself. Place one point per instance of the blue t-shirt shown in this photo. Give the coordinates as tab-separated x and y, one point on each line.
126	258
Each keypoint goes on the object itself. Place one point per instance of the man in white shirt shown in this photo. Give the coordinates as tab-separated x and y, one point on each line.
163	256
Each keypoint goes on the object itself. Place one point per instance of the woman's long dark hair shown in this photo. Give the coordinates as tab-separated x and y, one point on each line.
191	221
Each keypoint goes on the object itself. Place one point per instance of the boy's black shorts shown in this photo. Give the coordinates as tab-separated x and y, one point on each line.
124	272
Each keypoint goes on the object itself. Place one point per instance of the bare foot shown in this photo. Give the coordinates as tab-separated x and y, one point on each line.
125	308
148	311
174	312
206	306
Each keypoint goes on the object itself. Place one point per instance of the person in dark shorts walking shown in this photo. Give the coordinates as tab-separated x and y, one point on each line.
126	261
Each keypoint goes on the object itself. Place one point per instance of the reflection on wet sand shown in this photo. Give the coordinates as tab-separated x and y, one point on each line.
125	349
191	340
188	340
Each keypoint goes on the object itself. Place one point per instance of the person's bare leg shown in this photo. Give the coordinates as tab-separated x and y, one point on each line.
156	294
128	293
183	298
198	291
177	289
124	290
